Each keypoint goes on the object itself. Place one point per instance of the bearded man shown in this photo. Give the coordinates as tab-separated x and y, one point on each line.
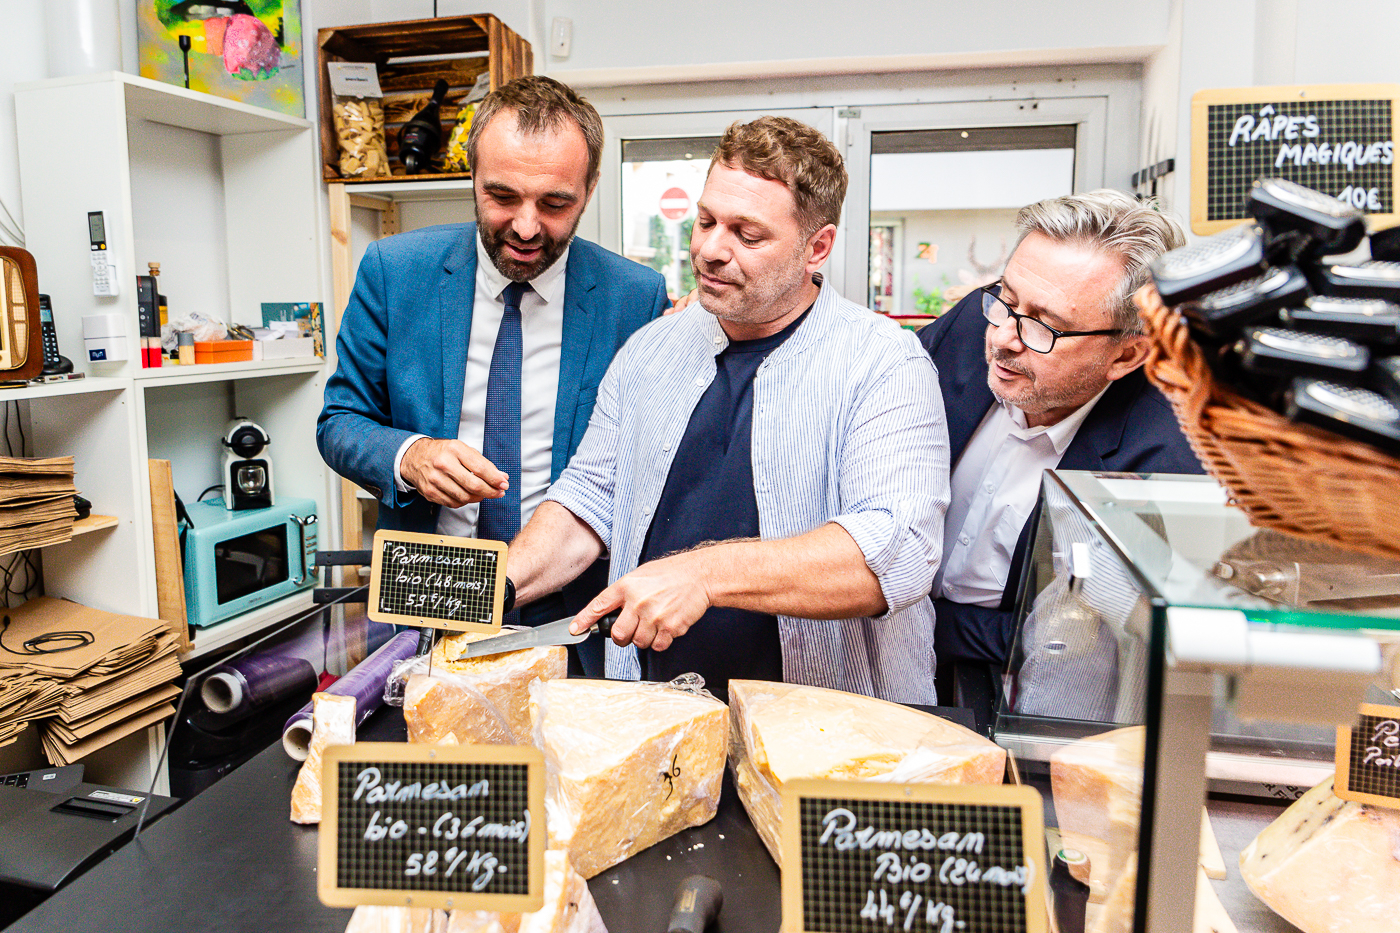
470	354
768	467
1038	371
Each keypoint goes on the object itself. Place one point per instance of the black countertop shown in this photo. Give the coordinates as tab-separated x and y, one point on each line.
230	859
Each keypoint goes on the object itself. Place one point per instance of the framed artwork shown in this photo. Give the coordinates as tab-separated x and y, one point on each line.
243	50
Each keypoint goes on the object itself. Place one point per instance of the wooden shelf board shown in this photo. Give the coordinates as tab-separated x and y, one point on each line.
94	523
431	187
218	372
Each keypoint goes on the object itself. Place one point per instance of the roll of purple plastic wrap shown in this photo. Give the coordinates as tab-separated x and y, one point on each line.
365	683
236	690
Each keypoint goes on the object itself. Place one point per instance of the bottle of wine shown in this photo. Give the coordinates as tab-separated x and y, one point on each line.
421	137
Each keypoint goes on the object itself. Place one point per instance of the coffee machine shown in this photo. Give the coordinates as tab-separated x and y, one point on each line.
247	472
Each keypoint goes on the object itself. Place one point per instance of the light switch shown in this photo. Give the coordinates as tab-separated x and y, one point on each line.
561	36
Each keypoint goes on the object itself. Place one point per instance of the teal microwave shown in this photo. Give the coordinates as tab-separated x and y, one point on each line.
236	561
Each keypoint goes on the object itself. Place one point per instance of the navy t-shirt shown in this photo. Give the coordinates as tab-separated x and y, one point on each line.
709	496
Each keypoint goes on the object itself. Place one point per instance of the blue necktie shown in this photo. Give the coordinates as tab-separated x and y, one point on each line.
499	519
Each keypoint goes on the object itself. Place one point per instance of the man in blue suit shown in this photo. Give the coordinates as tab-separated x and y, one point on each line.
1040	371
470	354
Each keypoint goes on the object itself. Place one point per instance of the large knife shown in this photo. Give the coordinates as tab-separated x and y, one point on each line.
541	636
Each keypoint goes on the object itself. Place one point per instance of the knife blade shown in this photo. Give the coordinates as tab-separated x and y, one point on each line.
541	636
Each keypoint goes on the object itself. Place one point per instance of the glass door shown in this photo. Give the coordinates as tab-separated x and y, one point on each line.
935	189
654	168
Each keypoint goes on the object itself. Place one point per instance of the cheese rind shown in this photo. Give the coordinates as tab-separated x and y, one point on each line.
332	723
782	732
1328	865
626	765
483	701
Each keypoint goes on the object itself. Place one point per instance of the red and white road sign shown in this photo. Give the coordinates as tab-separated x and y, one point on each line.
675	203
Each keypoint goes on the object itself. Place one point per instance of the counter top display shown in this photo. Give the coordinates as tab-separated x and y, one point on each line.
1162	639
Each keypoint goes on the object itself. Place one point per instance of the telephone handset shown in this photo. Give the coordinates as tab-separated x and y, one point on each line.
54	362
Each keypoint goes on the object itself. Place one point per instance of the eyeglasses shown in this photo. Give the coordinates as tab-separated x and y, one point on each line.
1034	335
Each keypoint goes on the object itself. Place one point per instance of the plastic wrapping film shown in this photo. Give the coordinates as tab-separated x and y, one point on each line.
365	683
1327	865
484	701
334	718
783	732
568	908
627	764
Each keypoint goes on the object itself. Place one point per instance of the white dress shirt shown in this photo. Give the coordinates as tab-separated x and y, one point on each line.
994	487
541	339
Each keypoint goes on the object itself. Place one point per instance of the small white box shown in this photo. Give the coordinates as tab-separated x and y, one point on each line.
286	348
104	337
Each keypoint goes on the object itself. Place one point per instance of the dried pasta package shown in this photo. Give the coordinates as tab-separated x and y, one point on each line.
783	732
455	156
359	132
482	701
626	764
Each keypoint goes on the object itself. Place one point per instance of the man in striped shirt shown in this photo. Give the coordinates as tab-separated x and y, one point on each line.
768	468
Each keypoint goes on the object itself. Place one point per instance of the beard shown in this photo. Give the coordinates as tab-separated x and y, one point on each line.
494	240
755	299
1035	397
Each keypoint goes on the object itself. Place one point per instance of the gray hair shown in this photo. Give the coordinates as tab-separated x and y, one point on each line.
1137	232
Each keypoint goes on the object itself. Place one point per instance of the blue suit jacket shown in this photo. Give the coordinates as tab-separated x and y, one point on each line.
402	367
1132	429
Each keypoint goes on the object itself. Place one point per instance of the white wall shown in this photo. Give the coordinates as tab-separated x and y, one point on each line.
22	60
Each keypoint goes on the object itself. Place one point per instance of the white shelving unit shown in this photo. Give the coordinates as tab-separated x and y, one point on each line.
223	196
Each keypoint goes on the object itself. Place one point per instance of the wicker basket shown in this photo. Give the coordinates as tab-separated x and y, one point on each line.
1292	477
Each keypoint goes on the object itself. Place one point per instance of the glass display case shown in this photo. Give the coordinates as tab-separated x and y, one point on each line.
1164	644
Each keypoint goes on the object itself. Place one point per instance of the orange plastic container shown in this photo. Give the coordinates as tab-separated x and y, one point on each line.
223	351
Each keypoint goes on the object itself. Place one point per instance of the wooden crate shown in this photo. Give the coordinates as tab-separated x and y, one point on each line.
408	85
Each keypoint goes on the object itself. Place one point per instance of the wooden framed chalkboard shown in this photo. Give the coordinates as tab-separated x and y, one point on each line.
1335	138
860	856
1368	757
447	826
437	581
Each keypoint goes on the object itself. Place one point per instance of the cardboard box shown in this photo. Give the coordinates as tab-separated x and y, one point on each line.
285	348
223	351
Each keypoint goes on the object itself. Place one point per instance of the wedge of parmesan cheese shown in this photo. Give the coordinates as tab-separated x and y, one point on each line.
332	723
782	732
626	765
1328	865
367	919
483	701
1116	914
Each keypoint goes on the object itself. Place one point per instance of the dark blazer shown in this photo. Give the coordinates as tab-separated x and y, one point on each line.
1132	429
402	355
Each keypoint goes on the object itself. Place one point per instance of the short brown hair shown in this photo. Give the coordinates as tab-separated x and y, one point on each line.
540	103
782	149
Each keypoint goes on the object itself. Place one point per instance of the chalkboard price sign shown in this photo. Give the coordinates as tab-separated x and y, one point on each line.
448	826
437	581
1338	139
860	857
1368	758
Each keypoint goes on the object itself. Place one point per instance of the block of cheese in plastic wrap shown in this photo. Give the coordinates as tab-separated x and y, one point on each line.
782	732
568	908
1328	865
1096	785
482	701
332	723
626	764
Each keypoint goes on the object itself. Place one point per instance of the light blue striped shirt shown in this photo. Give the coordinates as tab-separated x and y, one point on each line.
848	427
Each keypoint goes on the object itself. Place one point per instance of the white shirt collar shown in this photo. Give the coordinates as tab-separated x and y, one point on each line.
549	284
1061	432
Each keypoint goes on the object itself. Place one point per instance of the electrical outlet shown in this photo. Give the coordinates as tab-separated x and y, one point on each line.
561	37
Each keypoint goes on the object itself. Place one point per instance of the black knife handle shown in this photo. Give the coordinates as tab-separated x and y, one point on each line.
605	624
698	900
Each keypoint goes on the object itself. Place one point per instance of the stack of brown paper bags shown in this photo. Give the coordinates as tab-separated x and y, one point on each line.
92	693
36	502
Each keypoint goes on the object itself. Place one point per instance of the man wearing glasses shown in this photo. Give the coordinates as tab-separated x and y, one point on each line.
1041	370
